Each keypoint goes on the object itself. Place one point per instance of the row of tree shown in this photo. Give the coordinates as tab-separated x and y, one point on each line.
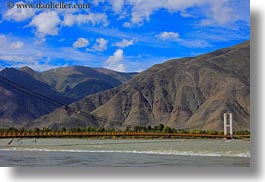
156	128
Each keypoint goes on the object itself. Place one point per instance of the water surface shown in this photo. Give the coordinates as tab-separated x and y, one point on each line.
142	153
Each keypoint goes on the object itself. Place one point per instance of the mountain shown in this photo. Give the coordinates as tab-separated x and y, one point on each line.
65	85
17	107
184	93
79	81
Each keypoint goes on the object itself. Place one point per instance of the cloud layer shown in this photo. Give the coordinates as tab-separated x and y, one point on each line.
143	30
79	19
19	14
17	45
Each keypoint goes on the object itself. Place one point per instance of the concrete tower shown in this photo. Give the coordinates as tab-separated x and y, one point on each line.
228	123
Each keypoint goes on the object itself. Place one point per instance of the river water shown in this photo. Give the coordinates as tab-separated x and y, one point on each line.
120	153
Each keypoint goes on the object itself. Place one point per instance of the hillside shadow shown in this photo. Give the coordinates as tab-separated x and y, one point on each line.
197	172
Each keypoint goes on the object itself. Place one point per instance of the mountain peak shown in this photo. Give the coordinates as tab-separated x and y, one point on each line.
24	68
27	69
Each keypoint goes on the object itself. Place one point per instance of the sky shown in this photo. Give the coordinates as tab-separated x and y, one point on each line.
122	35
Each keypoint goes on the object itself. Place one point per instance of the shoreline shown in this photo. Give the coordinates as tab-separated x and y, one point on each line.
114	135
133	138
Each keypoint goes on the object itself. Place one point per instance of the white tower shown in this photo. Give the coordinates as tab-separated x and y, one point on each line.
228	117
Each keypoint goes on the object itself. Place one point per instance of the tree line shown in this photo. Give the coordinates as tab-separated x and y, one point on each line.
157	128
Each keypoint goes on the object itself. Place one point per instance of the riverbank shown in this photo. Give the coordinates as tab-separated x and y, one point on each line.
150	135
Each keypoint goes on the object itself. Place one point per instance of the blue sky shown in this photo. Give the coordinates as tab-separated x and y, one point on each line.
123	35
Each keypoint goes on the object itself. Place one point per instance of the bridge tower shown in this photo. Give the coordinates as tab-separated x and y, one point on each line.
228	123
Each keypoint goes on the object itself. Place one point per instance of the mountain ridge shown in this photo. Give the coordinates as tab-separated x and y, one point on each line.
184	93
69	84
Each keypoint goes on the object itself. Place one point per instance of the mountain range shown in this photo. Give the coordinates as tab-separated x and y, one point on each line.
192	92
65	85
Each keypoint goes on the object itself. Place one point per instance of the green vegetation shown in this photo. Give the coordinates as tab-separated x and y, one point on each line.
157	128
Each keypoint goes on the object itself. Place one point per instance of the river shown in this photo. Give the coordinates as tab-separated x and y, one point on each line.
120	153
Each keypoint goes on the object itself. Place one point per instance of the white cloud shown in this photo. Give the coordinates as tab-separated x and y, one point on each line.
214	12
194	43
100	45
2	40
93	18
46	23
15	53
6	43
117	5
41	57
127	24
124	43
69	20
172	36
81	42
34	61
116	62
142	9
38	66
225	13
19	14
2	37
17	45
16	58
97	2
